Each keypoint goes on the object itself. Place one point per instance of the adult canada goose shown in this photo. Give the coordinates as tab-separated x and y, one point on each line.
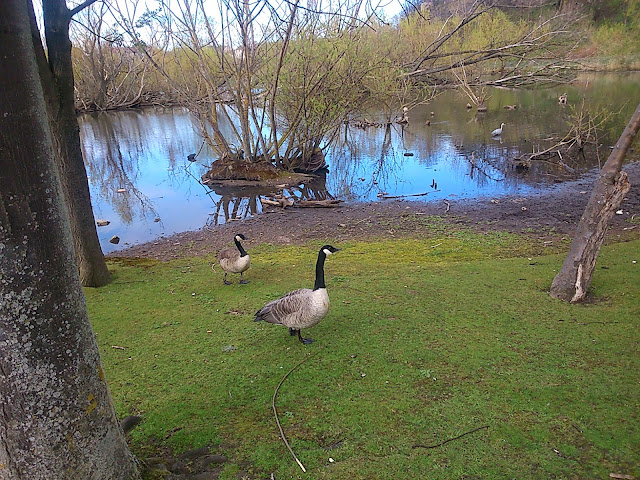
234	260
498	131
301	308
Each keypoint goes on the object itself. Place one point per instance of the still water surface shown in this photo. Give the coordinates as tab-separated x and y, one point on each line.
142	182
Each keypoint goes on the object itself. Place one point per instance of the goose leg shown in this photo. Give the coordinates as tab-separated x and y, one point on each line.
224	280
306	341
242	280
293	332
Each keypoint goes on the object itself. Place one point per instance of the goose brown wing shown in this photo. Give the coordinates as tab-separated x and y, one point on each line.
228	254
284	307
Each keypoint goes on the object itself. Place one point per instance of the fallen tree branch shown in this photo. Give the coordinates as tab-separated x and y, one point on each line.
275	412
409	195
318	203
451	439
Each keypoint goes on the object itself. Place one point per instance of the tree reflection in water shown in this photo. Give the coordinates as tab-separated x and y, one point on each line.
114	173
144	152
238	202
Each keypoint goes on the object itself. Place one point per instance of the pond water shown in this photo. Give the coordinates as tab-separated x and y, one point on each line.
143	184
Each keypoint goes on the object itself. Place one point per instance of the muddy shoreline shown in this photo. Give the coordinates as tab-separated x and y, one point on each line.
552	213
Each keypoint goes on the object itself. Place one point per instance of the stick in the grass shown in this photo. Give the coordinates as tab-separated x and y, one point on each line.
275	412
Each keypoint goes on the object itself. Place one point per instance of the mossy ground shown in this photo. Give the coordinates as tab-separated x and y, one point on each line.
427	338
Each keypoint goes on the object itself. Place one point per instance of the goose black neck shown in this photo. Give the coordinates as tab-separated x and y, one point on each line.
320	271
243	252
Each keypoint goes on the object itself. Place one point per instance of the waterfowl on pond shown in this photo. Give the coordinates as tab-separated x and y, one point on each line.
234	260
405	116
302	308
498	131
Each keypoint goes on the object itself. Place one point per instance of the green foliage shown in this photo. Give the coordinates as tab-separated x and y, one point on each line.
426	339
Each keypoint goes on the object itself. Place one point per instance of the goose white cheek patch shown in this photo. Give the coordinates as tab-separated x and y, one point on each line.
327	252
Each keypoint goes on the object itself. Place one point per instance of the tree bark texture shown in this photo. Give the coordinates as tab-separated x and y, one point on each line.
57	420
573	280
57	79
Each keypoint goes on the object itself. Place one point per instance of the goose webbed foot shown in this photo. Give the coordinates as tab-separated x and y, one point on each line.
227	283
306	341
243	282
224	280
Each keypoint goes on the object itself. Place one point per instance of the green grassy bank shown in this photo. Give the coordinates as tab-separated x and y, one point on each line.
425	340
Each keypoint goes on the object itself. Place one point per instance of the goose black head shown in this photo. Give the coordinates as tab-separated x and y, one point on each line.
328	249
239	237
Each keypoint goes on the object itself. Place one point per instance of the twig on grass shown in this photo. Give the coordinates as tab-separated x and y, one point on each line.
451	439
275	412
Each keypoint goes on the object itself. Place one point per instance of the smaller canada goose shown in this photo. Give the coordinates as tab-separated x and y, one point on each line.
498	131
234	260
302	308
562	99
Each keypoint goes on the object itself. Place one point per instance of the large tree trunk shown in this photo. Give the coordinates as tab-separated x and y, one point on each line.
573	280
57	79
57	420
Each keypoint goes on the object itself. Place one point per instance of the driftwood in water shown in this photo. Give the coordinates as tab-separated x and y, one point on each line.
573	280
282	201
318	203
386	197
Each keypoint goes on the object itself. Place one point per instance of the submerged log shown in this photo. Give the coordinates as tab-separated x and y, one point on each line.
573	280
318	203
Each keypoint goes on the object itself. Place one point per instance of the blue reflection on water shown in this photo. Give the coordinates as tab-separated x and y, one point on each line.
141	181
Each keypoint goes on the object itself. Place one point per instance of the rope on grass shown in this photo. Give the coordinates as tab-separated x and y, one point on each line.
275	412
451	439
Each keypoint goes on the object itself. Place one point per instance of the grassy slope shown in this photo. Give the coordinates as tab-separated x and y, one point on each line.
422	343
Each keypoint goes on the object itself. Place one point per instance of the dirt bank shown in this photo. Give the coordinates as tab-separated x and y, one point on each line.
548	214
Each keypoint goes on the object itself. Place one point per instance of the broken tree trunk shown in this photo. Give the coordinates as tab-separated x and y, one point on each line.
572	282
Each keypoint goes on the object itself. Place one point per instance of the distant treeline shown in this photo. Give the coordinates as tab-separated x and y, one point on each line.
114	73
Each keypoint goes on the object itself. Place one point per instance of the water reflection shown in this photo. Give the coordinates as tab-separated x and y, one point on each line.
240	202
142	183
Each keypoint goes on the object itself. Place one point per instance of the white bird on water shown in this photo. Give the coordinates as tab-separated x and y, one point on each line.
498	131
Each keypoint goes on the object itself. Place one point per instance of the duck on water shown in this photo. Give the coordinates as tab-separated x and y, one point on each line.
301	308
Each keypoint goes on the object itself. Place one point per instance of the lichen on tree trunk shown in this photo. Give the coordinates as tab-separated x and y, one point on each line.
57	420
56	74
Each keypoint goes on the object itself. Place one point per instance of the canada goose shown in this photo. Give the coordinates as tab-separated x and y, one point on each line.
498	131
562	99
234	260
301	308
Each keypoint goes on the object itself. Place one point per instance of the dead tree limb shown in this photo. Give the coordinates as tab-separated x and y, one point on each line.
573	280
451	439
275	412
